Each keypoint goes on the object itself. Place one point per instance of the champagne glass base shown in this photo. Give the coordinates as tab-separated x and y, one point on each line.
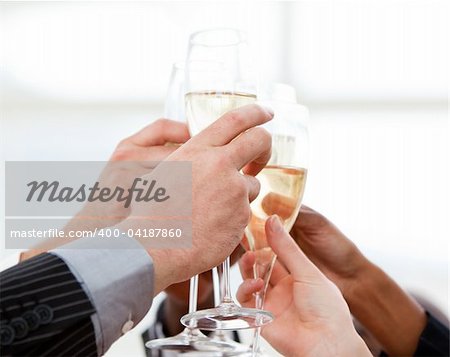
193	342
222	336
227	317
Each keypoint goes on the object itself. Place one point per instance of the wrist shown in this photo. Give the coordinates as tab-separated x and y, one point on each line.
362	282
342	341
165	269
90	218
350	280
167	263
355	346
386	311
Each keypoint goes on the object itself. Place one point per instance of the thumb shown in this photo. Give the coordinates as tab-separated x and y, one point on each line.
289	253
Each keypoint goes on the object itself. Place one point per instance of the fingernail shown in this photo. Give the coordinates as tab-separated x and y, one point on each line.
268	109
275	224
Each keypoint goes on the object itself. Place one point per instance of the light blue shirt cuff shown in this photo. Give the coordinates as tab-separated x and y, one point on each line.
119	283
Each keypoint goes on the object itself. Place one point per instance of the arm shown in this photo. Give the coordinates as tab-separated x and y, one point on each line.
232	143
146	146
119	282
41	302
94	294
225	212
400	324
388	312
311	316
220	151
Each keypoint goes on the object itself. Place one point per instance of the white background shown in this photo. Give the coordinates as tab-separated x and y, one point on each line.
77	77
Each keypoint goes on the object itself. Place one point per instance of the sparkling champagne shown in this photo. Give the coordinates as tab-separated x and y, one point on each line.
281	193
203	108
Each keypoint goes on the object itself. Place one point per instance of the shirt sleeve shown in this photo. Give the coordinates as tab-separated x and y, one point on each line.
119	283
434	340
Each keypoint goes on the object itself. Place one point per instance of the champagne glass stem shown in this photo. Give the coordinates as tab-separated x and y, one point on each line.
259	303
226	282
255	344
193	292
259	299
216	286
218	293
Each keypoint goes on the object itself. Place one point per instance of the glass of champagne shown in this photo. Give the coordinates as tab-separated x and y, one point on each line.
282	180
219	78
190	340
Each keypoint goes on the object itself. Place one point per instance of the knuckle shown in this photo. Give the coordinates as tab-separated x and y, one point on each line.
263	112
241	188
160	124
221	160
123	143
255	184
121	153
260	111
245	214
236	118
263	136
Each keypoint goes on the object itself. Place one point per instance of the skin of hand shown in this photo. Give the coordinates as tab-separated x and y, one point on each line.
311	316
220	208
153	143
394	318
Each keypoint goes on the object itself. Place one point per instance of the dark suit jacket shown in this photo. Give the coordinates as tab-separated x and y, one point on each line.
44	311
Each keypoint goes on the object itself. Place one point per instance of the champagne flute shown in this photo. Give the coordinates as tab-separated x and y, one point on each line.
282	181
190	339
219	78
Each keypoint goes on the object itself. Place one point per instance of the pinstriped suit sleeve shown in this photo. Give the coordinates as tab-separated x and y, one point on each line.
41	302
90	293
